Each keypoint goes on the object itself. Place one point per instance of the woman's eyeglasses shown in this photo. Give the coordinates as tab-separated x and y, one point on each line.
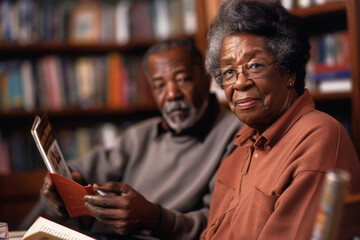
228	75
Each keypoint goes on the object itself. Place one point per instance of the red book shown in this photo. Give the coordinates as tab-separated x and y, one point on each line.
72	194
116	82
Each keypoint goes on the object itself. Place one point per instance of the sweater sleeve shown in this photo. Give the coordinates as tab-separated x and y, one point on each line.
176	225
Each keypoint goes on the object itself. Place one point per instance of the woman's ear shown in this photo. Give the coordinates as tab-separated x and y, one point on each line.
291	80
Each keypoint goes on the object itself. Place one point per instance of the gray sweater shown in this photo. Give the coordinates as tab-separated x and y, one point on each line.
176	171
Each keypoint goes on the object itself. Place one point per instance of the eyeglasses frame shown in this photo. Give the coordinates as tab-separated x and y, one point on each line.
241	71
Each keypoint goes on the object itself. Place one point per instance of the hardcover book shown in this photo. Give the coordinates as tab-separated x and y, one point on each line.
71	192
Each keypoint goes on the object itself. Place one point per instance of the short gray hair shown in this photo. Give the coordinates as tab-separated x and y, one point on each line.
286	38
169	44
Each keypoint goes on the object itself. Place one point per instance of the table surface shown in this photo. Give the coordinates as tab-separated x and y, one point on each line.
16	235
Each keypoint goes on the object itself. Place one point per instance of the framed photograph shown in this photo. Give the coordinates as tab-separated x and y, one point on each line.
85	23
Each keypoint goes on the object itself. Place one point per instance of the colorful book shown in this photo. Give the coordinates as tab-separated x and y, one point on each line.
141	24
28	85
16	91
84	71
71	192
116	82
122	20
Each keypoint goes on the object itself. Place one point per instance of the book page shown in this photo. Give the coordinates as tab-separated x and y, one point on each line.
49	148
43	228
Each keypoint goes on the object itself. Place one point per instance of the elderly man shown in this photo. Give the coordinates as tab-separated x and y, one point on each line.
160	175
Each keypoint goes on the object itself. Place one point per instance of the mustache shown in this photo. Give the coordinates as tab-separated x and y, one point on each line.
176	105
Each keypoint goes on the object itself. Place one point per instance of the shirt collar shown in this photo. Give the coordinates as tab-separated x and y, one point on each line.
272	134
201	128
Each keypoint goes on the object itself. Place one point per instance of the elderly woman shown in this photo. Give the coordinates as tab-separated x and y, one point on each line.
269	187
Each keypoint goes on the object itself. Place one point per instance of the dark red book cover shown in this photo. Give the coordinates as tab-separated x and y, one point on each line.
72	194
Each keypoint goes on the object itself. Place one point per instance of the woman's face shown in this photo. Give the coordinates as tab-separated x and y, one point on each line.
261	101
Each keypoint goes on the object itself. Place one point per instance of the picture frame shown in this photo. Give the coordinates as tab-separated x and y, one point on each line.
85	24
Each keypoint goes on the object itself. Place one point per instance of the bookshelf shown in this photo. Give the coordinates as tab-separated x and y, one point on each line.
339	16
332	16
37	37
93	35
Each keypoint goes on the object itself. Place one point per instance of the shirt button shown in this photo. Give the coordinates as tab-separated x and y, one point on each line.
256	155
267	148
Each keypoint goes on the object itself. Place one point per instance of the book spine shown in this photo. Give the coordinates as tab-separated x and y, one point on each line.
32	21
116	82
5	166
330	62
28	85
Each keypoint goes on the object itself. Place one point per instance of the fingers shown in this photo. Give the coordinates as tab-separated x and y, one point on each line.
77	177
107	201
47	185
48	189
115	187
125	211
106	214
52	198
121	220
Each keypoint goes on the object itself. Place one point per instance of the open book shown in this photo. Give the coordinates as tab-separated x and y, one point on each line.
71	192
43	228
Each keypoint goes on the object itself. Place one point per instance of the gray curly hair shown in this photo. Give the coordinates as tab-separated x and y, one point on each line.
286	38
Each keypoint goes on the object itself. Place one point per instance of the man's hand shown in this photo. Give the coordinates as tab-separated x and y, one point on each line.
52	198
123	209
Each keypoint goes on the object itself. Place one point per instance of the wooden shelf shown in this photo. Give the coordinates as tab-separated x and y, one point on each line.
320	10
331	96
322	19
79	112
73	118
67	47
45	47
19	194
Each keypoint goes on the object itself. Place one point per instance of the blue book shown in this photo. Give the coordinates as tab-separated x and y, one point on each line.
16	91
329	75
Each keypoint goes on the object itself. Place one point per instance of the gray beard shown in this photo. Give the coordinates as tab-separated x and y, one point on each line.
177	123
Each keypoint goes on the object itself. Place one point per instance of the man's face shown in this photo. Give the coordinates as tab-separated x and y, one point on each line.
179	88
257	102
